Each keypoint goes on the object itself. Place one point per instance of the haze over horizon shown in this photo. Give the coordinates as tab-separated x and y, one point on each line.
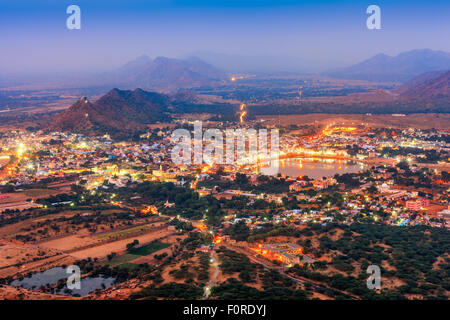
279	35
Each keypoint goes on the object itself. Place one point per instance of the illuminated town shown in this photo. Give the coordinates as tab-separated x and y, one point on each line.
377	190
224	154
371	175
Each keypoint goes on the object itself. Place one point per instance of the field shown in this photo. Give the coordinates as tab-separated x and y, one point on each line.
15	253
39	193
417	120
122	260
24	199
126	232
102	250
127	259
9	231
27	194
17	258
70	242
149	248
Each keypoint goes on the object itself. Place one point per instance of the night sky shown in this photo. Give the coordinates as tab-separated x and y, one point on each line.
317	34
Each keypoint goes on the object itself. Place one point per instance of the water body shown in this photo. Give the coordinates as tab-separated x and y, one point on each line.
317	168
53	275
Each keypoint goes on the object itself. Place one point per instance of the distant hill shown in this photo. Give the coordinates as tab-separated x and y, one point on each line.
434	85
421	78
427	93
165	74
117	111
402	67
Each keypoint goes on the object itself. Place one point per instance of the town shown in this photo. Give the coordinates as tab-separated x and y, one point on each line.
108	205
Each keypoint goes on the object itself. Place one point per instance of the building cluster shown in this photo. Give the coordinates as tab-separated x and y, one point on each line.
375	192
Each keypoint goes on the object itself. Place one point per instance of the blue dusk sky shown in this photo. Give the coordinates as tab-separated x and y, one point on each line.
302	34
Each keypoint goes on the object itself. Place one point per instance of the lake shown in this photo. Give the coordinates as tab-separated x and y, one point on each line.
53	275
317	168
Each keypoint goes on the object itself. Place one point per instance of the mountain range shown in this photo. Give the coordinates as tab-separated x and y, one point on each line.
402	67
161	73
164	74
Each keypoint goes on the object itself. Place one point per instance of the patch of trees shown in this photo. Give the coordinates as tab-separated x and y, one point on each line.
182	272
204	264
196	240
271	230
234	289
169	291
398	106
238	231
272	278
350	180
412	251
265	184
181	225
234	262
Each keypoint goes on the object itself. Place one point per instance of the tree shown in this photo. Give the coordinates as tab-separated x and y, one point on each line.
372	189
111	255
403	165
131	245
239	231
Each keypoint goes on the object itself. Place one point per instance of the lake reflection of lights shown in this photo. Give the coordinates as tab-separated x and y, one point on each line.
318	167
314	167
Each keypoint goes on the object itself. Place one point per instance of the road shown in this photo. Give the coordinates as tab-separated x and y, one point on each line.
213	280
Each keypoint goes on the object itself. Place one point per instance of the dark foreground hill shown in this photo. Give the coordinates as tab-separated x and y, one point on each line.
124	112
118	110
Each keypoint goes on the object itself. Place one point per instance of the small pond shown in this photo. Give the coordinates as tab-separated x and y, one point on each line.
53	275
